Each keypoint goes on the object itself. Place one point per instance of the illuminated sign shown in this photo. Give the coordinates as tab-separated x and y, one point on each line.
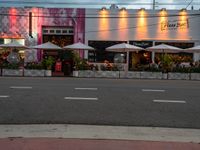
174	25
143	44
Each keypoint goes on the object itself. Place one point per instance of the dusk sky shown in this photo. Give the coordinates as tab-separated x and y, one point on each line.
129	4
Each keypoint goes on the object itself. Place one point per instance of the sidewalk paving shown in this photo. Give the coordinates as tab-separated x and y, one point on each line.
100	132
90	137
81	144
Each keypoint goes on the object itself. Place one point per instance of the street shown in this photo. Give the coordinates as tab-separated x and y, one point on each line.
118	102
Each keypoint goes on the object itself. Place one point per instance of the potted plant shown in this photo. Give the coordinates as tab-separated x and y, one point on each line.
48	63
166	63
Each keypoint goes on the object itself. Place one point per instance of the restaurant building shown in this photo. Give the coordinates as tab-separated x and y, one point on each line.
100	28
142	28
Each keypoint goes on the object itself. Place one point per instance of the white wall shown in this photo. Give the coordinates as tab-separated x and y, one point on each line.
137	28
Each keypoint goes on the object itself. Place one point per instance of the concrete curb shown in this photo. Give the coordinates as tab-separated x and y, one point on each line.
100	132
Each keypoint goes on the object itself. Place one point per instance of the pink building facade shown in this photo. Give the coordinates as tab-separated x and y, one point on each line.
18	23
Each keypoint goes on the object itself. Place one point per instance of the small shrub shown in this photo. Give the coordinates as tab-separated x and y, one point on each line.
103	67
48	62
96	67
38	66
195	70
11	65
82	65
181	70
114	68
154	69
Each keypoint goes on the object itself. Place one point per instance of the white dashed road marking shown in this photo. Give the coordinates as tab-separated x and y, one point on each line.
80	98
21	87
169	101
4	96
152	90
86	88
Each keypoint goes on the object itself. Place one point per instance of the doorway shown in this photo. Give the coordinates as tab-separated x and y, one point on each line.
60	36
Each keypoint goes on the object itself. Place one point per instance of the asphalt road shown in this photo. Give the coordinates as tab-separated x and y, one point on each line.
156	103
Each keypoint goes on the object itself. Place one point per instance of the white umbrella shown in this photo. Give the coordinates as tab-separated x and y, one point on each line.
13	45
13	56
78	46
124	47
164	48
195	49
47	46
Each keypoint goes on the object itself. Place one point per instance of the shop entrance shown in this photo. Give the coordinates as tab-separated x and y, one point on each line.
60	36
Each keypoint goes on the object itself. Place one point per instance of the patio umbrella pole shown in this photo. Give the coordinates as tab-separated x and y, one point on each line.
127	63
162	60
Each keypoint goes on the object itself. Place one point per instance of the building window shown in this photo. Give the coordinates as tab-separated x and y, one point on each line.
58	31
71	31
64	31
45	31
51	31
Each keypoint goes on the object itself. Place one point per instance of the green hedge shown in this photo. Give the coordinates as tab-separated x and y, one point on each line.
38	66
10	66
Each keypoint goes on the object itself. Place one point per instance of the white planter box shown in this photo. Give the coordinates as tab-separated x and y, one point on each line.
48	73
34	73
130	74
151	75
107	74
179	76
137	75
195	76
75	73
86	73
165	76
12	72
97	74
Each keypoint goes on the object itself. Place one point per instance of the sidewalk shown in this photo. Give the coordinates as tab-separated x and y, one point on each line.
89	137
80	144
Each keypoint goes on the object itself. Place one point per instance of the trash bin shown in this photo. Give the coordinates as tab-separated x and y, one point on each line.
67	69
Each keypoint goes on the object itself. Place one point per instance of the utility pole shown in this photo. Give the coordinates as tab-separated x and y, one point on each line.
154	4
